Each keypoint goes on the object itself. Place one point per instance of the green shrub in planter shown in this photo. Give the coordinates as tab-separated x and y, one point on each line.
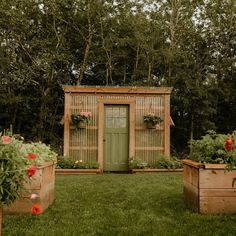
16	158
67	163
211	149
162	163
13	172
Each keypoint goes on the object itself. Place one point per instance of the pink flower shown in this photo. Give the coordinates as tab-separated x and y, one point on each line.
87	114
31	170
6	139
33	196
36	209
31	156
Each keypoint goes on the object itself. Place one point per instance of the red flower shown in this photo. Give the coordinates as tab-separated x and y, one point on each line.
31	171
31	156
6	139
229	144
36	209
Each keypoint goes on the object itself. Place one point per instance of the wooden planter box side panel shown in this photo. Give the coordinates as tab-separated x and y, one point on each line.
216	178
42	184
191	183
216	193
213	194
47	187
217	205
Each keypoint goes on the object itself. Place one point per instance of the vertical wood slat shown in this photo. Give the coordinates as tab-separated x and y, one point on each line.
100	133
167	125
67	124
132	130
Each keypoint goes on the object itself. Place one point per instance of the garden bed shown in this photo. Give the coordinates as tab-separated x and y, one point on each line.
42	184
149	170
77	171
208	188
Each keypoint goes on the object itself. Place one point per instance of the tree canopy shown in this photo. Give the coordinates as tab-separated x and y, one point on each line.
186	44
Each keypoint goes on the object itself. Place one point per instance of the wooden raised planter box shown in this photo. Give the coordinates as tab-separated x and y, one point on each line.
42	184
77	171
155	170
208	188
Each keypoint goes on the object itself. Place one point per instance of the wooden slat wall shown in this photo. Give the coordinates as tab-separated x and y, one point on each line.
83	142
149	143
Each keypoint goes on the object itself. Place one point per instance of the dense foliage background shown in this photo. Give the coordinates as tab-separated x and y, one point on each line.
186	44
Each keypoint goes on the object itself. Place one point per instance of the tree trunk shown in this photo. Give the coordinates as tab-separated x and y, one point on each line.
191	134
108	51
133	76
87	46
1	220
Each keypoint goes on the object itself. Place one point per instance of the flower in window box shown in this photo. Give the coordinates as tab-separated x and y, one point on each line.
80	120
152	120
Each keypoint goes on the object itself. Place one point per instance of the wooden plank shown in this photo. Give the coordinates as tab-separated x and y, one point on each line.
100	133
167	125
132	123
216	178
143	127
218	205
217	192
193	163
191	197
118	101
214	166
77	171
155	170
87	127
117	90
83	148
191	175
66	124
150	148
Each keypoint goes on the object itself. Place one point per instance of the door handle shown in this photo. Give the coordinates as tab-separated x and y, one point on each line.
104	140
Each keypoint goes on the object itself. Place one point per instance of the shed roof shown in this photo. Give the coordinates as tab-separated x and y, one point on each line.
116	90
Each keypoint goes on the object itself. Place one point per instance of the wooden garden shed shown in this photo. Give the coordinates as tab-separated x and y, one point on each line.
117	131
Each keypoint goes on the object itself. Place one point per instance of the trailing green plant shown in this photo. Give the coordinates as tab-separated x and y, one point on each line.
165	163
13	173
151	117
211	149
82	116
65	162
137	163
162	163
18	163
44	152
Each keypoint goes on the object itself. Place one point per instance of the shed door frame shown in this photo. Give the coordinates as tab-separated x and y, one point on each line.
101	105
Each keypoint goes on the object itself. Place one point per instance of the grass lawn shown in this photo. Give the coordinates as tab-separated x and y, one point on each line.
119	204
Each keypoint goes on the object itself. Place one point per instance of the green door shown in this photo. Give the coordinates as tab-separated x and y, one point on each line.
116	142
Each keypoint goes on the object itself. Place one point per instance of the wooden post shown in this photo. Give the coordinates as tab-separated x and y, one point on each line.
100	133
67	124
1	220
167	125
